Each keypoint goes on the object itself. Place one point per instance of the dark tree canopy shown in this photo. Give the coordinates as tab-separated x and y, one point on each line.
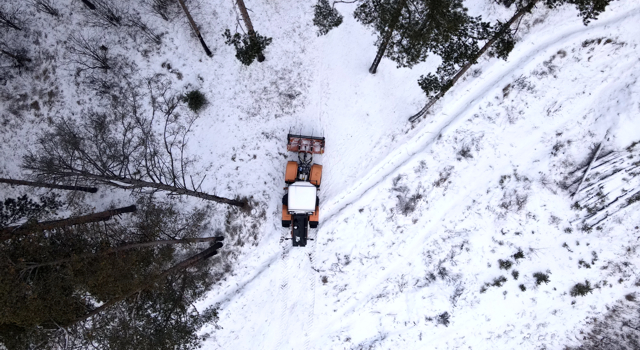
588	9
15	211
325	17
410	30
248	47
43	302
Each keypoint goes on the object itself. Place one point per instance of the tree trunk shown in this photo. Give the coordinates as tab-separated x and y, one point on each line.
134	184
46	185
14	231
586	172
466	67
381	49
387	37
127	247
247	22
195	28
180	266
6	21
89	4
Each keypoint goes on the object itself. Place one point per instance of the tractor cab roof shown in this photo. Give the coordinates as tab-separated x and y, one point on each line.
302	197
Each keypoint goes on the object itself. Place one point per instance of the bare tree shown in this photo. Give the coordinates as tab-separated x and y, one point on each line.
127	147
137	26
11	17
46	6
88	54
165	9
106	14
48	185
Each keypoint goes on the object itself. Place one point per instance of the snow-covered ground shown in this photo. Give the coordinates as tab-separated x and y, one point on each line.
414	218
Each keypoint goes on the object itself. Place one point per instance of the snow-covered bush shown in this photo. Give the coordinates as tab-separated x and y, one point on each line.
581	289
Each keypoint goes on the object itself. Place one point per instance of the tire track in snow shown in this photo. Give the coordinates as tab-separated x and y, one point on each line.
231	293
404	153
283	293
414	245
311	277
296	297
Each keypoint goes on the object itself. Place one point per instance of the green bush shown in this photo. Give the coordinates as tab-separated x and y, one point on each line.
541	277
195	100
581	289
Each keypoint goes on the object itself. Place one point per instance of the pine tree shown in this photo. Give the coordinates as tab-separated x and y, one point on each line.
32	226
409	30
24	209
132	291
325	17
249	46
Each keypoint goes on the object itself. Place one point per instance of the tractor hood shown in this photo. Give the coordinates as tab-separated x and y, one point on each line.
302	197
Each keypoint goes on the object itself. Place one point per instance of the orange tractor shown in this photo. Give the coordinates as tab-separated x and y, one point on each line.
300	204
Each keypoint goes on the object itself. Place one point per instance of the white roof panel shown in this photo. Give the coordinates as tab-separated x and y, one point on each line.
302	197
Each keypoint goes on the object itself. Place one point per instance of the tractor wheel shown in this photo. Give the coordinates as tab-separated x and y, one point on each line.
285	199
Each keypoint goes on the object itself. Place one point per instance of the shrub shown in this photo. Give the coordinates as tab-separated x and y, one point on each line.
505	264
443	318
541	277
522	287
195	100
498	282
515	274
581	289
518	255
584	263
